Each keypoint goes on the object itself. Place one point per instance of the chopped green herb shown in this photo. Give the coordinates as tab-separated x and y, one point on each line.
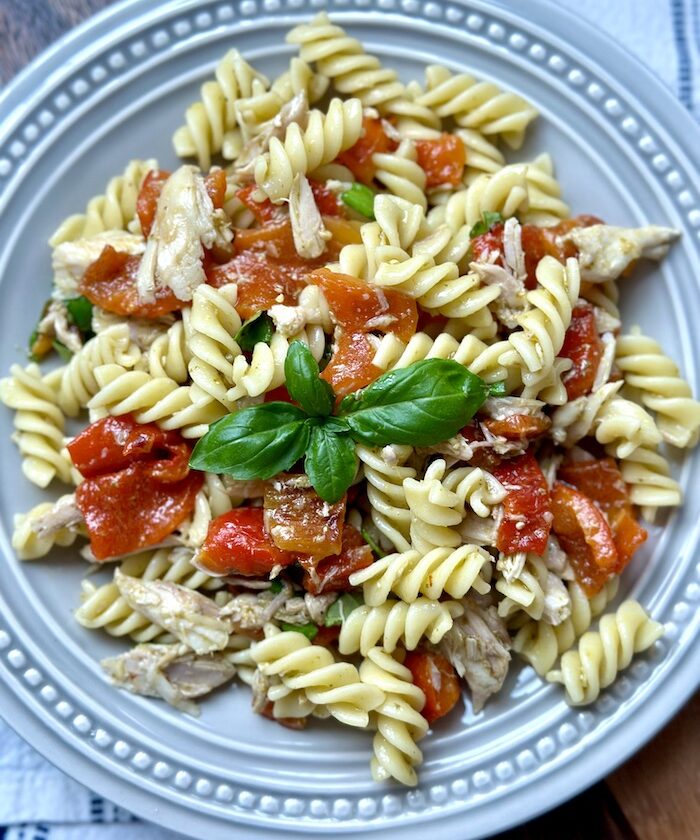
80	313
372	543
276	586
497	389
62	350
308	630
488	220
339	610
259	328
361	199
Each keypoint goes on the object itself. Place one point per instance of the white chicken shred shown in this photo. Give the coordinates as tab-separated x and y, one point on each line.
605	251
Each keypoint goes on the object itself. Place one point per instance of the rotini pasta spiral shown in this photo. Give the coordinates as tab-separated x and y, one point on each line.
482	155
477	105
526	592
115	210
396	621
211	501
352	72
28	543
39	424
398	720
540	643
211	124
103	607
411	574
544	204
75	384
213	324
390	511
400	174
154	400
657	379
169	353
326	683
603	654
302	151
648	477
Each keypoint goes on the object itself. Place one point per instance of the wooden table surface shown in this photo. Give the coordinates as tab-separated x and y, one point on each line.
655	795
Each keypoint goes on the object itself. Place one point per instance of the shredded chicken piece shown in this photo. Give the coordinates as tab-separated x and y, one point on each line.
605	322
240	491
511	565
478	646
607	360
513	253
557	601
512	300
555	558
289	320
501	408
549	466
455	449
606	251
70	259
191	617
509	448
171	672
478	530
142	331
64	514
185	223
294	111
261	685
249	611
55	324
309	233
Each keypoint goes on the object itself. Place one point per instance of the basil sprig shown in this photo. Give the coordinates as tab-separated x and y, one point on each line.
339	610
80	313
484	225
421	405
255	330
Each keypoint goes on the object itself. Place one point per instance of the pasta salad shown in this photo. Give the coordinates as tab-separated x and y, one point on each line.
358	417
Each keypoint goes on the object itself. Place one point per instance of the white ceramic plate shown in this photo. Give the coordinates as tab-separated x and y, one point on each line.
625	150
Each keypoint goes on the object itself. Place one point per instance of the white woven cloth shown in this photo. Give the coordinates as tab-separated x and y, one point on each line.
37	801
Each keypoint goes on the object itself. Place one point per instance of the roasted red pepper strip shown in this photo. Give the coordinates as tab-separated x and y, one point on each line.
358	158
527	506
583	346
110	282
436	677
138	486
264	211
350	367
586	537
518	426
331	574
237	543
442	160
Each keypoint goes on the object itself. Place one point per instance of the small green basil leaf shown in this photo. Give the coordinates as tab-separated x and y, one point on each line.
488	220
276	586
420	405
308	630
371	542
497	389
330	463
361	199
339	425
80	313
258	329
62	350
304	384
256	442
339	610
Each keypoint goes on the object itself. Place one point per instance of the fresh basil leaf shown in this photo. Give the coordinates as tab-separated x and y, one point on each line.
488	220
371	542
330	463
361	199
256	442
420	405
339	425
308	630
276	586
62	350
497	389
258	329
80	313
339	610
304	384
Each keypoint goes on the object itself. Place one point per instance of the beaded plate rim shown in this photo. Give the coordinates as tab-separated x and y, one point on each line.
94	750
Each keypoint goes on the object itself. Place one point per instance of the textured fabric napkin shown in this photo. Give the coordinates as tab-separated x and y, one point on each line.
37	801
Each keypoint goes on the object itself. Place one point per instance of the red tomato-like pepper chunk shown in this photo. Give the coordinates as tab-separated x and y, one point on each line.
527	506
264	211
358	158
350	367
298	519
326	200
136	474
436	677
585	535
360	307
442	160
484	456
110	282
331	574
518	426
601	480
237	543
583	346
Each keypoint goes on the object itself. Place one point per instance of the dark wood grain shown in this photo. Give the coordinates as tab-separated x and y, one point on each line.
656	795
